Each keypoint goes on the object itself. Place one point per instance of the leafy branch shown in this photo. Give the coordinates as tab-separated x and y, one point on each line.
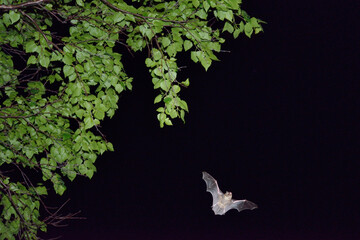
23	5
57	86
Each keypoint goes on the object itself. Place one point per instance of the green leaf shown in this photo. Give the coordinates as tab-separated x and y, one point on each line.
248	29
241	26
161	117
176	88
184	105
220	14
201	14
48	22
130	17
68	70
158	72
165	41
110	146
234	4
75	89
80	56
182	115
158	98
145	31
128	83
194	56
41	190
206	5
80	3
99	114
204	59
228	27
44	61
196	3
118	17
168	122
149	63
96	32
173	48
79	68
59	185
119	88
205	36
165	85
68	59
90	169
236	33
117	69
156	54
89	123
6	19
83	169
254	22
32	60
14	16
69	173
186	83
167	99
187	45
31	47
160	109
56	56
229	15
66	136
173	113
257	30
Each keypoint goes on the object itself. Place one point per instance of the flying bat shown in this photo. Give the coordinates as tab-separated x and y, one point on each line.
224	202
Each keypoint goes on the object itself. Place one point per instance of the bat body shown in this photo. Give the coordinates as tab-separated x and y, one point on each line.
224	202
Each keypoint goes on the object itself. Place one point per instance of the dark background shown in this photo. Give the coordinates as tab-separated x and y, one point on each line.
276	122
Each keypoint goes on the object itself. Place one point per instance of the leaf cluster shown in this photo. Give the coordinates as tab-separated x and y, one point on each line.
51	108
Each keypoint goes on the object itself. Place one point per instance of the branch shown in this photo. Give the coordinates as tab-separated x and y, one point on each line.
7	192
24	117
40	31
138	15
23	5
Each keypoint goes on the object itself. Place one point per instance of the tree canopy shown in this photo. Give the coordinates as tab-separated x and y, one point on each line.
61	74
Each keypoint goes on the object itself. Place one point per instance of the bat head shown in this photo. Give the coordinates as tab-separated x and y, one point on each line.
228	195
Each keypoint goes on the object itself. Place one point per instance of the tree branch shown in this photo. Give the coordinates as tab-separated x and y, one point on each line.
138	15
7	192
40	31
22	5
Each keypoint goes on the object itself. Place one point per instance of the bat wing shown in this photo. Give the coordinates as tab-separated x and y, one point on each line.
212	187
241	205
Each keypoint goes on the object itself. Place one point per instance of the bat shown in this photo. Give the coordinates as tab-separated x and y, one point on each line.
224	202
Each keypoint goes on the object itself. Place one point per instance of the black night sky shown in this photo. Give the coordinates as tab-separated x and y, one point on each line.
276	121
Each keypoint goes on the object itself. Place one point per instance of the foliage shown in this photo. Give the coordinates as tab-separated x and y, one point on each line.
61	74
